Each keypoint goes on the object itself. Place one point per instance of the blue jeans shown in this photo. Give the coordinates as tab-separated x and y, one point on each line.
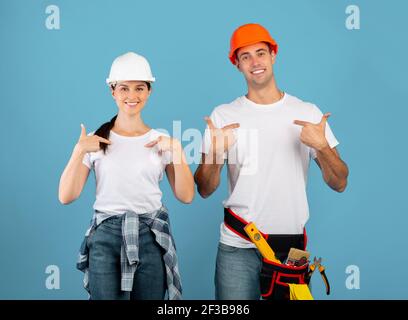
104	264
237	273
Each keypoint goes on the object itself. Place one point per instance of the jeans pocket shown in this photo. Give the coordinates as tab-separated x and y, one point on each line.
111	229
227	248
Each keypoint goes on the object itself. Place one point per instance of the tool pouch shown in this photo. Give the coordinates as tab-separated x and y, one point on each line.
275	278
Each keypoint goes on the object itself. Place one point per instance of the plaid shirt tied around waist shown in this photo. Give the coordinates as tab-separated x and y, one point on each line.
158	222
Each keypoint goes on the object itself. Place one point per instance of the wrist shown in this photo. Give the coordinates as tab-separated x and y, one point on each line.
216	152
78	150
176	152
178	158
176	146
217	155
323	147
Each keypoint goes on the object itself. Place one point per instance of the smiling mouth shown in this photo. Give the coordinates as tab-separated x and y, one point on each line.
131	104
258	71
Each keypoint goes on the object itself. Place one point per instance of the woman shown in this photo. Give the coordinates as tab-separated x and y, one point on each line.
128	251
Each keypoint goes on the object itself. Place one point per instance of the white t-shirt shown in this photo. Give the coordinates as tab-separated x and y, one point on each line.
268	164
128	175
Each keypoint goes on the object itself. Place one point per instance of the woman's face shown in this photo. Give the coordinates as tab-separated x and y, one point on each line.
131	96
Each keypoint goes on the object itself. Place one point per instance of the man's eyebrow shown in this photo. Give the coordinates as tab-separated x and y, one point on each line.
246	52
122	84
241	54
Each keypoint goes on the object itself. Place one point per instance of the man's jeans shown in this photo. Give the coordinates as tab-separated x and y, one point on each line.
104	264
237	273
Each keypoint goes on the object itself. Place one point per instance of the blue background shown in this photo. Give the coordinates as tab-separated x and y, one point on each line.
52	80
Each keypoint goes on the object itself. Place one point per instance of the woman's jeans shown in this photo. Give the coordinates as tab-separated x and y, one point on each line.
104	264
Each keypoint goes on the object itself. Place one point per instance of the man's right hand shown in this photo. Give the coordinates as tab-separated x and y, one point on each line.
89	143
221	138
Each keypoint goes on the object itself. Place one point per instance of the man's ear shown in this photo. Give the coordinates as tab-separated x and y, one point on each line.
273	56
112	92
237	65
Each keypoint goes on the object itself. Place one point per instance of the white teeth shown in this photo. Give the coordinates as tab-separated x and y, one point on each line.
258	71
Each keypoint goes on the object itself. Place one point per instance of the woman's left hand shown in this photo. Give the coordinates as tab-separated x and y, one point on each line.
178	172
166	144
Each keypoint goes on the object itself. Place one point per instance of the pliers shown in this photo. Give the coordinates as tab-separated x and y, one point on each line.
317	265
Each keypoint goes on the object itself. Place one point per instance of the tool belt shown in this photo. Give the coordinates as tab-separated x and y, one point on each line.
274	277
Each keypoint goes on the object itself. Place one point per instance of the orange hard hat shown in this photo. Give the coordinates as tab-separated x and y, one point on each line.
247	35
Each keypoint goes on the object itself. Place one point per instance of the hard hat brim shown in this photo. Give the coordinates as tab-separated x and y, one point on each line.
273	45
110	81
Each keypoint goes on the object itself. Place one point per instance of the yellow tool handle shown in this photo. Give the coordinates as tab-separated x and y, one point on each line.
260	242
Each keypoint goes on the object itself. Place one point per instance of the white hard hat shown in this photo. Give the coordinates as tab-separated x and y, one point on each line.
130	66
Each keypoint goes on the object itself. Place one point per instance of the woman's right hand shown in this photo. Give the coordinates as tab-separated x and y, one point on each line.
89	143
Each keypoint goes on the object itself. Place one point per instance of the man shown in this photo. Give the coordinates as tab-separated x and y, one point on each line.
267	138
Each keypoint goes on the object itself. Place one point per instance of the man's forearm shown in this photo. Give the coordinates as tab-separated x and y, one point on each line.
334	170
207	178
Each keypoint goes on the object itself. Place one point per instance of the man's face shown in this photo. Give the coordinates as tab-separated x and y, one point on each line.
131	96
255	62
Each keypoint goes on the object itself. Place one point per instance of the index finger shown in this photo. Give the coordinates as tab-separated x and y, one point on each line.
301	123
103	140
152	143
232	126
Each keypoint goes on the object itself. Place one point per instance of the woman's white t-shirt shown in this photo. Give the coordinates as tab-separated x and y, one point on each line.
128	175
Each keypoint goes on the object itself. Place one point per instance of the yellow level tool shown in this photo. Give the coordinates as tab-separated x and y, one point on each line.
256	237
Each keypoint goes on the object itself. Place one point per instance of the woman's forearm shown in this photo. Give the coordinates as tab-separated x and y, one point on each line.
183	179
72	179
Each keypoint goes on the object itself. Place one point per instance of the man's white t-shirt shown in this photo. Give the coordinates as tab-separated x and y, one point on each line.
128	175
268	164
